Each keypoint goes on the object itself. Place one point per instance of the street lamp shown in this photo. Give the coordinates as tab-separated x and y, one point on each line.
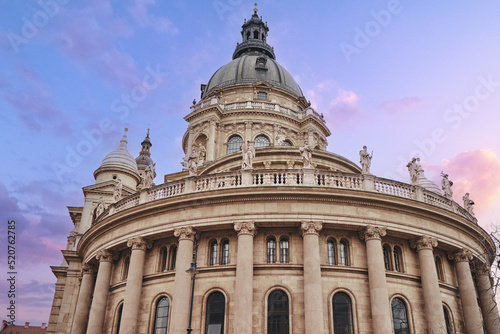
192	270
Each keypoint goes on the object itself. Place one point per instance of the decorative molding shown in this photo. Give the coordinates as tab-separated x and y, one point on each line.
372	232
87	269
248	228
311	227
424	242
139	243
105	255
185	233
463	255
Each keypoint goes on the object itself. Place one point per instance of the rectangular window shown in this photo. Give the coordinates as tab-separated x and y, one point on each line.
261	95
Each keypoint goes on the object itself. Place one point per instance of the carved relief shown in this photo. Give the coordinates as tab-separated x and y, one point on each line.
372	232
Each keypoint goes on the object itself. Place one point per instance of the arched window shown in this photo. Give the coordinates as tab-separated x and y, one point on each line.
173	257
449	329
234	144
287	143
126	265
342	314
439	268
330	251
284	253
343	253
119	318
161	316
261	141
164	258
256	34
397	259
400	317
213	253
216	307
277	313
225	252
387	262
271	250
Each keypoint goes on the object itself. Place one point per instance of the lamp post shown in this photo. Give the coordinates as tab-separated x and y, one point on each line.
192	270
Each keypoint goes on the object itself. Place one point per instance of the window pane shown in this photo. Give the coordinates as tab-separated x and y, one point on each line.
399	317
216	306
343	253
330	248
262	95
163	254
234	144
161	316
284	258
213	253
386	258
277	313
271	251
287	143
342	314
447	320
397	258
261	141
225	252
173	255
119	320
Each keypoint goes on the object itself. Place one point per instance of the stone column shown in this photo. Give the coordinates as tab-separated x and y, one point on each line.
133	289
83	303
470	308
313	292
430	285
379	296
211	141
243	294
190	140
98	308
489	308
182	283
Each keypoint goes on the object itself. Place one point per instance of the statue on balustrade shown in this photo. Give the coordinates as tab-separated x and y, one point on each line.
248	155
99	208
413	167
446	186
365	160
202	155
306	152
192	162
280	138
149	175
468	203
117	193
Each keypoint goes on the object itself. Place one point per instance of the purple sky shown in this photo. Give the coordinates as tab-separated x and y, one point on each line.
398	76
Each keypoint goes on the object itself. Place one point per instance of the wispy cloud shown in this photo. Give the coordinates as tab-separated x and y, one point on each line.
399	106
140	12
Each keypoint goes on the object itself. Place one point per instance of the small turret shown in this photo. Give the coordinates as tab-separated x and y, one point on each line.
144	158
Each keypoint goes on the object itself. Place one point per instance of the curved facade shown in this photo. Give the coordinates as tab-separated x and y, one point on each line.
281	247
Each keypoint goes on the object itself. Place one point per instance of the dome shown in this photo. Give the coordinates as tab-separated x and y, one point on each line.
252	68
121	158
143	161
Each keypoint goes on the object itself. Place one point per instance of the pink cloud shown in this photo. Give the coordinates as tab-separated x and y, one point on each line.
395	107
139	11
476	172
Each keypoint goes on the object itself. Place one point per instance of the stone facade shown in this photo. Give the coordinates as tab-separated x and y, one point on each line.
307	239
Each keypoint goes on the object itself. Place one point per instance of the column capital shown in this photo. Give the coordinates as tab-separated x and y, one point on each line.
105	255
87	269
185	233
245	228
311	227
424	242
483	269
372	232
139	243
463	255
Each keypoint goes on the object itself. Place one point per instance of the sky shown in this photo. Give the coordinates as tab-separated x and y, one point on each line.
404	77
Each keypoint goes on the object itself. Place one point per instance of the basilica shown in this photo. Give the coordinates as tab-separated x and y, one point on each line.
263	230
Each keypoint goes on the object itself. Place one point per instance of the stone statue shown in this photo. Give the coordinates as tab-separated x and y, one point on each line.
306	152
280	138
248	155
468	203
446	186
149	175
192	162
365	160
100	207
202	155
117	193
413	167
